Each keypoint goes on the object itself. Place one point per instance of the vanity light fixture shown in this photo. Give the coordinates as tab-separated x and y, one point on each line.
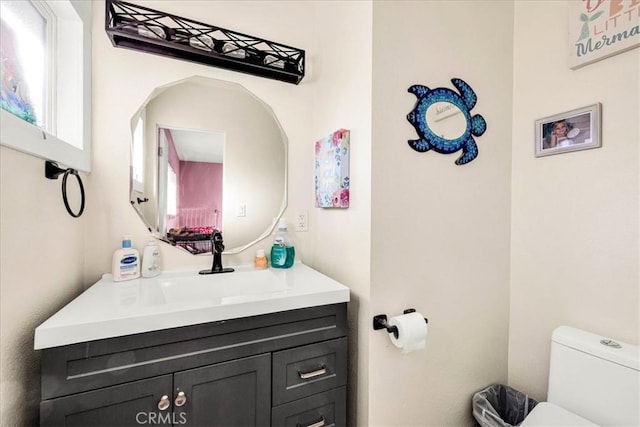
135	27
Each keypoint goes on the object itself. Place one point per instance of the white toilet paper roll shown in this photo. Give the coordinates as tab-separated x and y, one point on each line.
412	332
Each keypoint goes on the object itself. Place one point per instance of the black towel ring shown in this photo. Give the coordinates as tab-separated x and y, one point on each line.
52	171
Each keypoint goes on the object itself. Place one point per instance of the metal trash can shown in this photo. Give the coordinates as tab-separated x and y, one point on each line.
501	406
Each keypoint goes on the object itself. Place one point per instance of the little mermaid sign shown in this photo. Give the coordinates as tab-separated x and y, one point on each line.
602	28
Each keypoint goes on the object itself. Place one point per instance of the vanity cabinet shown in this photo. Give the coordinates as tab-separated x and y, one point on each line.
281	369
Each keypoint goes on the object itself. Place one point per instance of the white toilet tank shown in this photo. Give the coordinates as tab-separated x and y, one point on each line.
597	381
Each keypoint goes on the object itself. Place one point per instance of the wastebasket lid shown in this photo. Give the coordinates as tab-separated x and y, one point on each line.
548	414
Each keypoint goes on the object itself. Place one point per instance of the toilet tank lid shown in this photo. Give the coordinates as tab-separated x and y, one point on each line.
627	355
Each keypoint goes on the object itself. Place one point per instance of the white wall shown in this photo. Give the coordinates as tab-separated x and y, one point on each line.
340	245
440	232
575	237
41	268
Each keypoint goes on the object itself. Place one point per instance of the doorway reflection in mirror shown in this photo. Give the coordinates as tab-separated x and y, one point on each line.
193	164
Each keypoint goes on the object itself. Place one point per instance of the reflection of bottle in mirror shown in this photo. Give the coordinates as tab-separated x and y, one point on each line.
282	252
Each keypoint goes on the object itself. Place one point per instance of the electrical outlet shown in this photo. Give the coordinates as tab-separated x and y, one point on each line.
302	221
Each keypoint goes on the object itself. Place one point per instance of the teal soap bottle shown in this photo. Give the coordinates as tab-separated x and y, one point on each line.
282	252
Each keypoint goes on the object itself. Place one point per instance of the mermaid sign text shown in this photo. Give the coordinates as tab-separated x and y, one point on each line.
602	28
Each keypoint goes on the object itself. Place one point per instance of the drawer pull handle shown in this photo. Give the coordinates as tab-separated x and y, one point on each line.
313	374
181	399
164	403
319	423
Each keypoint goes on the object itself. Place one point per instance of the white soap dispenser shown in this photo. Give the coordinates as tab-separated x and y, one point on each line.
126	262
151	259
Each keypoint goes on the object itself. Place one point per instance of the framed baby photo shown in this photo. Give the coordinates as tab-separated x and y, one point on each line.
574	130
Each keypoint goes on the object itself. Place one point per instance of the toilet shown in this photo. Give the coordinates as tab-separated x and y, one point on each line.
593	381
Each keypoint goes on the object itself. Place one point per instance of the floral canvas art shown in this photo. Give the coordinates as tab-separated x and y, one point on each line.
332	170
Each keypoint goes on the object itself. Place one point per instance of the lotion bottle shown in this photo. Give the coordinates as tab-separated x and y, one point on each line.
151	259
126	262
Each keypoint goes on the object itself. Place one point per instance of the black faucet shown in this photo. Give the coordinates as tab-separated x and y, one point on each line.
217	247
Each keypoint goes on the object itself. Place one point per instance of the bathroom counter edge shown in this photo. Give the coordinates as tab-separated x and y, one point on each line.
98	312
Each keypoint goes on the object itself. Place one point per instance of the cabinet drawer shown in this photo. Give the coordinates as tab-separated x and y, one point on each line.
303	371
325	409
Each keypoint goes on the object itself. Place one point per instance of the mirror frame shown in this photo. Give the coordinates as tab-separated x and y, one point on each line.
213	82
465	99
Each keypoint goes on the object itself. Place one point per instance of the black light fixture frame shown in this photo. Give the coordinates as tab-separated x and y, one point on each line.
169	35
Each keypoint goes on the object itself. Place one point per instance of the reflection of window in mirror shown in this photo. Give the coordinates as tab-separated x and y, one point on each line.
172	192
137	156
45	99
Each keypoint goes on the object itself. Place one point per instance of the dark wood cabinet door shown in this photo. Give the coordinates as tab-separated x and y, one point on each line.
131	404
235	393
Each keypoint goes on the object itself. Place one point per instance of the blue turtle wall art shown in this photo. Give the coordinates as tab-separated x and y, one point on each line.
465	99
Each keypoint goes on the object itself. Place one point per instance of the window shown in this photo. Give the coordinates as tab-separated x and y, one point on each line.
172	192
24	42
45	79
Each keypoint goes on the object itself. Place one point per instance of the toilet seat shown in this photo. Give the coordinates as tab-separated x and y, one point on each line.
547	414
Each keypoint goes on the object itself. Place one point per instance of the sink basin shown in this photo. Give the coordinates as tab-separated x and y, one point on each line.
216	289
182	298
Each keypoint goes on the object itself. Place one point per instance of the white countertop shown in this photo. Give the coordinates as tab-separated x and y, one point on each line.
181	298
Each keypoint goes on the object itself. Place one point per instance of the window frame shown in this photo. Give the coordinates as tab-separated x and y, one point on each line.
138	154
20	135
172	183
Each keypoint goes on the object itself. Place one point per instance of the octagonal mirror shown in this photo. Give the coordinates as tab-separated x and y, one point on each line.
208	154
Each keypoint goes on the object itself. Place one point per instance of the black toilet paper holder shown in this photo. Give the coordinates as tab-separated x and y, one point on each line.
380	322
